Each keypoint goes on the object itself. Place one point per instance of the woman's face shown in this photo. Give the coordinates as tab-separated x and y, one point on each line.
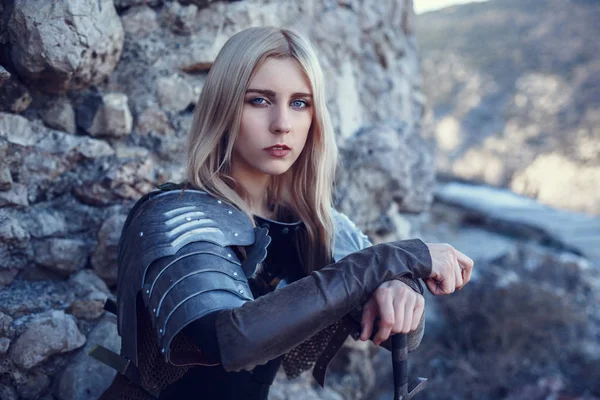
276	118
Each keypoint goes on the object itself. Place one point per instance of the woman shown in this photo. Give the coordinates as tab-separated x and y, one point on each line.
248	266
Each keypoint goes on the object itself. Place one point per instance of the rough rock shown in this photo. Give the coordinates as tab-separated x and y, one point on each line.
140	21
8	393
45	222
22	299
5	177
4	345
130	3
64	256
45	336
60	115
70	149
85	378
7	276
12	231
14	242
4	75
105	115
15	196
79	48
5	325
89	282
104	259
32	385
181	19
372	179
14	96
154	121
17	130
174	93
89	309
128	180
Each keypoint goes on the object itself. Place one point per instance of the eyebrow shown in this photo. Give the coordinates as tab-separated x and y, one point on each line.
271	93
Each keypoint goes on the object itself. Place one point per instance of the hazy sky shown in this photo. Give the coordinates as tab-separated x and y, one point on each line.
430	5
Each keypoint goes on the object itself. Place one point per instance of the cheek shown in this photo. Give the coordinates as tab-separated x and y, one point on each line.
249	122
303	123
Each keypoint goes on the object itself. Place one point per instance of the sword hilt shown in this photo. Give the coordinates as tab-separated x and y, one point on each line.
400	366
404	389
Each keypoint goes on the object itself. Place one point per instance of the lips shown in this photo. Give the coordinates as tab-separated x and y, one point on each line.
278	147
279	150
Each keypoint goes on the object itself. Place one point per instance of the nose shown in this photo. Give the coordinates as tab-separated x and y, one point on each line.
280	122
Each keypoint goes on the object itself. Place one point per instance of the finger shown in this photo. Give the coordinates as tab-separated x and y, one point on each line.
409	306
418	312
458	275
386	318
368	318
449	284
399	312
467	265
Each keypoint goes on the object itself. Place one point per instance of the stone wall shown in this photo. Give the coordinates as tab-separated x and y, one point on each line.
96	98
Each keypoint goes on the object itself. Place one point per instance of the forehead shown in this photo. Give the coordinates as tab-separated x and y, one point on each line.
280	75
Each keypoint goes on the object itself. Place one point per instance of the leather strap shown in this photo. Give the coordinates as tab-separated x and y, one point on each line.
122	365
346	326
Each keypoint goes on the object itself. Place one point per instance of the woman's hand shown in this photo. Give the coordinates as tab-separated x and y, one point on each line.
451	269
398	307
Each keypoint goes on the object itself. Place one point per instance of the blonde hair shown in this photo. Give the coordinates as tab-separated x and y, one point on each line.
307	187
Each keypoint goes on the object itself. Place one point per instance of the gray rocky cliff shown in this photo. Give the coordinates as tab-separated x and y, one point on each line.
96	99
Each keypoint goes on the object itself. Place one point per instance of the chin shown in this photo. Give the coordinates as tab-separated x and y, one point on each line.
275	170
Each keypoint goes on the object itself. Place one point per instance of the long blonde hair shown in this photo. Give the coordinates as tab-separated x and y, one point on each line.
307	187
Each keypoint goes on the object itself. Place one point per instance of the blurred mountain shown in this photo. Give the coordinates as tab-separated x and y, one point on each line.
514	92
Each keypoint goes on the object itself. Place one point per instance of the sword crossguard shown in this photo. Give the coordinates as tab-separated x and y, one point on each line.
404	388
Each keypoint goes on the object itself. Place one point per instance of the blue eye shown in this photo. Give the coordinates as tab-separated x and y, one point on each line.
299	104
259	101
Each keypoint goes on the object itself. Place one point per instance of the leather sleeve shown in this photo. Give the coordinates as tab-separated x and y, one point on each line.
349	238
270	326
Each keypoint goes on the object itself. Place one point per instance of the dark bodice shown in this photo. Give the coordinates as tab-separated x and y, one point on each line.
283	265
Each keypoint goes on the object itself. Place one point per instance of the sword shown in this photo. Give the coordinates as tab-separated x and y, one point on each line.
403	389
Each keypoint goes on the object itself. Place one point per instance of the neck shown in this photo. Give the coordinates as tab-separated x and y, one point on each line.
256	187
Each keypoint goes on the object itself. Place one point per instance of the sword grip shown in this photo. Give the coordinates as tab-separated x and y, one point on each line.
400	366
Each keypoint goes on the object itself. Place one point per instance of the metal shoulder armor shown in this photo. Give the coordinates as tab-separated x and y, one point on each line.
176	249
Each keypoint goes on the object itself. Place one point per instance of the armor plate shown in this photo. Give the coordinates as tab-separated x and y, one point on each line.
176	248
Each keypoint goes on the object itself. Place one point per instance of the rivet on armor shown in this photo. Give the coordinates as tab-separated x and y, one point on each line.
188	218
235	234
241	291
147	291
228	255
160	330
219	201
235	274
285	230
162	350
229	212
154	310
141	233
